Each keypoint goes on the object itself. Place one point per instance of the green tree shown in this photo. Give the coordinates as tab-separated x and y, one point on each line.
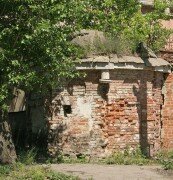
35	48
125	24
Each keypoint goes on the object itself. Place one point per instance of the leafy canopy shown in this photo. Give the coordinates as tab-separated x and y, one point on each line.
35	36
35	51
125	24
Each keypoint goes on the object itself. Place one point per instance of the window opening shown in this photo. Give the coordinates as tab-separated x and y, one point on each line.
67	110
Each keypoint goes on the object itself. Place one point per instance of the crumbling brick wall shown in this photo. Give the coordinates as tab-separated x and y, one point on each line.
167	113
97	119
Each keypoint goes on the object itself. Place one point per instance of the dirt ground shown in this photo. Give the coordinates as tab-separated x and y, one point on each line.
113	172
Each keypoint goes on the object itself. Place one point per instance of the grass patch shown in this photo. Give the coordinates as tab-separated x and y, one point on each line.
128	158
165	158
27	168
135	157
28	157
82	159
20	171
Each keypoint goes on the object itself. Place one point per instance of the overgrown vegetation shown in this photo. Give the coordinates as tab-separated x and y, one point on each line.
128	157
35	50
27	167
124	22
36	53
28	157
165	158
36	37
82	159
20	171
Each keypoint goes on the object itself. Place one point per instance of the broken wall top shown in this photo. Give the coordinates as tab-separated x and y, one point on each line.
92	40
124	62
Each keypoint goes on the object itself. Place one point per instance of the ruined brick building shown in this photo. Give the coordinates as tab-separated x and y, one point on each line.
123	101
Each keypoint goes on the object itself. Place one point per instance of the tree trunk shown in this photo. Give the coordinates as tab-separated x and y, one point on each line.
7	148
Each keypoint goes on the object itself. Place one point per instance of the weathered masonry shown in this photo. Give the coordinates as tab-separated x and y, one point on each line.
121	102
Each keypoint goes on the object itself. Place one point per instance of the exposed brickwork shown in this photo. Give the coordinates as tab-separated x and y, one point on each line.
167	55
167	113
104	118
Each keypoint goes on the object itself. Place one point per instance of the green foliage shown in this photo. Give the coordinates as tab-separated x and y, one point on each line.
68	159
36	52
81	159
58	159
165	158
128	157
27	157
167	164
5	169
123	20
35	49
19	172
165	154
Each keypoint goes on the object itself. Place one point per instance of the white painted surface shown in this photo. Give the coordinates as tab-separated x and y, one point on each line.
84	106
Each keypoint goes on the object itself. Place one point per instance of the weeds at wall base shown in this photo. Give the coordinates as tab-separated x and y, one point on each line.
20	171
60	158
127	157
165	158
24	168
28	157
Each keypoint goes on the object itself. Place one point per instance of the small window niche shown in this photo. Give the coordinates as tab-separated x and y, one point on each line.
103	90
103	87
67	110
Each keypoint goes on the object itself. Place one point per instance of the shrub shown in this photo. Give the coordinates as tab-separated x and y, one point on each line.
165	158
27	157
5	169
20	171
128	157
60	158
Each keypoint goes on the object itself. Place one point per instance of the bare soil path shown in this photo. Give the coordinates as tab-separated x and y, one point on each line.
113	172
